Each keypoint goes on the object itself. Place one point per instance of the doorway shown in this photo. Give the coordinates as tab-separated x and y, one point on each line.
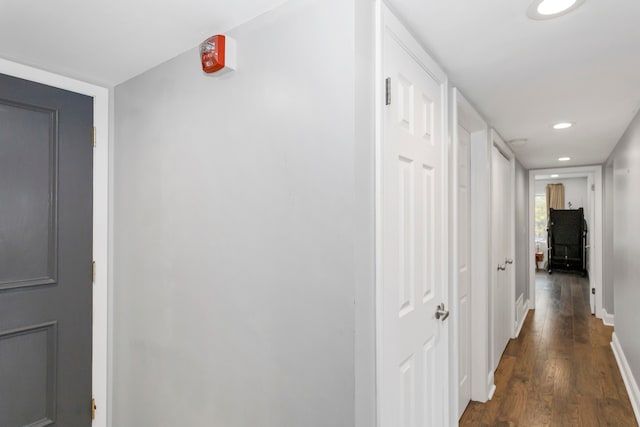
582	189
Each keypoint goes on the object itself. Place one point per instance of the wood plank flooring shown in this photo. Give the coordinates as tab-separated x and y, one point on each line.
561	371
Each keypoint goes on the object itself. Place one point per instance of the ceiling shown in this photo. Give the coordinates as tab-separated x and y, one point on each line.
525	75
522	75
109	41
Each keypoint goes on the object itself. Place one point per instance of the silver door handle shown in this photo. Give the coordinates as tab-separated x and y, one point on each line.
441	312
502	267
508	261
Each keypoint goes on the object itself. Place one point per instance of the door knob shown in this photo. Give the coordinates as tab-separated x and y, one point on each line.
508	261
441	312
502	267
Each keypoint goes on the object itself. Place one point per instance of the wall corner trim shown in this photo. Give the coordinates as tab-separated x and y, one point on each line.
627	376
607	318
491	385
492	391
525	313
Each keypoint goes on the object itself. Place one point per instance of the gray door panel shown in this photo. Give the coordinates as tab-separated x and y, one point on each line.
46	162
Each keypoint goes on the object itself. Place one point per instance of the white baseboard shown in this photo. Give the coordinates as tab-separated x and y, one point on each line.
629	381
607	318
523	315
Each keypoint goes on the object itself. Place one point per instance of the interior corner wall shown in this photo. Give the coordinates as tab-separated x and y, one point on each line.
522	259
237	236
626	245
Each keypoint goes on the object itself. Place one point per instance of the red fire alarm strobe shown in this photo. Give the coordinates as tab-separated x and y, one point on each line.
218	54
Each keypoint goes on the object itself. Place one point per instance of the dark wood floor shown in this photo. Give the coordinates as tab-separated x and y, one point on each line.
561	371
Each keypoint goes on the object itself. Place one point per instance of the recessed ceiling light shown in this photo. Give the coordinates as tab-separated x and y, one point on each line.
564	159
563	125
555	175
552	7
547	9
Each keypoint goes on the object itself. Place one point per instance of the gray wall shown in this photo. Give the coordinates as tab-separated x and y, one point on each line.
243	231
522	260
607	238
626	242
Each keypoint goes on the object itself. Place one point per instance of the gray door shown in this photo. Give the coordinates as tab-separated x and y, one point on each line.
46	163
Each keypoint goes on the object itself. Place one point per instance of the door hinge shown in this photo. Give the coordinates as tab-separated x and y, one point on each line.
93	272
93	409
593	291
387	96
93	137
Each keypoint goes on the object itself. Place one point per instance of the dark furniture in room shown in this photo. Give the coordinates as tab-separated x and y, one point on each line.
567	238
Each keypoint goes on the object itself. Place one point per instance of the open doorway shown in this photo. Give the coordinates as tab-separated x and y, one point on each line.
581	190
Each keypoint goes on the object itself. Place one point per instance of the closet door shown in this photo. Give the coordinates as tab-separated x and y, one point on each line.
413	343
501	303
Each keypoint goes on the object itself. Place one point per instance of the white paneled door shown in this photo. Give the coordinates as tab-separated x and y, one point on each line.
502	304
413	364
464	281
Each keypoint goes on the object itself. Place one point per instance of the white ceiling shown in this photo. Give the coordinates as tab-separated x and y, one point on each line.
522	75
110	41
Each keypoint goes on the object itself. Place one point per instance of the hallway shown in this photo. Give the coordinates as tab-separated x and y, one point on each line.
561	371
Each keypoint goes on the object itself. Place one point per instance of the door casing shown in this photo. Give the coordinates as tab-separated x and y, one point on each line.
101	219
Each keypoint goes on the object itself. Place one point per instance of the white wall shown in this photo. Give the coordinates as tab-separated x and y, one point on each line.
626	244
243	231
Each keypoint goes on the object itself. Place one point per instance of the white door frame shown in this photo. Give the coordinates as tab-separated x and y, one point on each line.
499	143
385	18
101	287
595	254
464	114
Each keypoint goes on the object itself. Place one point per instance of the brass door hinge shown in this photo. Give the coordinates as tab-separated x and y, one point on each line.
93	409
93	272
93	137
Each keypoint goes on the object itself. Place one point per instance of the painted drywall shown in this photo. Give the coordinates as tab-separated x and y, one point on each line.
607	239
522	260
626	245
242	234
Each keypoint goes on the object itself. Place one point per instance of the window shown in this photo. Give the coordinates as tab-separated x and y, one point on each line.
541	217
